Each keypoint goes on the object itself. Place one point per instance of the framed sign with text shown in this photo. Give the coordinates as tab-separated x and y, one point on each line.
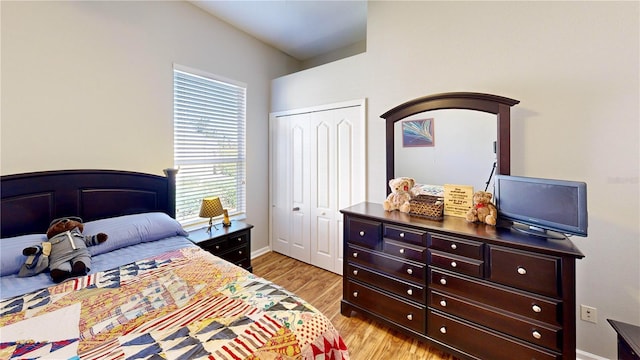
458	199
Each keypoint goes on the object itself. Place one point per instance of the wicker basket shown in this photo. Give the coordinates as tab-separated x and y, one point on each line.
427	206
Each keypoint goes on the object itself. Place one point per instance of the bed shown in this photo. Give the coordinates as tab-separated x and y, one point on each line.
151	293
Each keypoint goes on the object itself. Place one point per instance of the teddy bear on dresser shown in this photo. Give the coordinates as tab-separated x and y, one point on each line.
400	194
483	209
67	248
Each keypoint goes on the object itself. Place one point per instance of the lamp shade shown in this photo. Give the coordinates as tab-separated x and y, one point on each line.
211	207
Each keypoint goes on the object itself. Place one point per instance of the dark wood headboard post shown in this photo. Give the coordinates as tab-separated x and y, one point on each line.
171	190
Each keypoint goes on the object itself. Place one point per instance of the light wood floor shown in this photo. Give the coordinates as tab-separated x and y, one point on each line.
366	340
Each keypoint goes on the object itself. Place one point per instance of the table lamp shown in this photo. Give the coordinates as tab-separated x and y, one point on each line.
210	208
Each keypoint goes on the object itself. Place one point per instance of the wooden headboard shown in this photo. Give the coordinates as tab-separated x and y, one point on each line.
31	200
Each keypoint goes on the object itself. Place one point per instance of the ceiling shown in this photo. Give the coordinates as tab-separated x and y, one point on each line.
303	29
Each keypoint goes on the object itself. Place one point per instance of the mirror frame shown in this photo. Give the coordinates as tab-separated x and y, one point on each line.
494	104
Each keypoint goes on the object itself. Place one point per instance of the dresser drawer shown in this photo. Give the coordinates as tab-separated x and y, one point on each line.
402	288
365	233
398	311
238	239
215	246
404	250
457	263
527	271
393	267
533	332
236	255
537	308
402	234
482	343
460	247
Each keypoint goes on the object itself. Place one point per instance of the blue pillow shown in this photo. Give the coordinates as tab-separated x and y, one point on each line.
132	229
11	258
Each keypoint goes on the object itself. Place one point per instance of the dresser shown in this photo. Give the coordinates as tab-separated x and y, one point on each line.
231	243
473	290
628	340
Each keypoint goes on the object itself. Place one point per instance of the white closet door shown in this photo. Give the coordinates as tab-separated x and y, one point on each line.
335	152
290	181
279	185
323	184
317	168
300	182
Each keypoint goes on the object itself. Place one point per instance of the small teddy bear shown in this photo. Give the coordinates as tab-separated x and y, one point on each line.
67	248
400	194
483	209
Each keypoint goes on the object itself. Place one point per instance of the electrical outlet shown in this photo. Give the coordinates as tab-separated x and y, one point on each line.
589	313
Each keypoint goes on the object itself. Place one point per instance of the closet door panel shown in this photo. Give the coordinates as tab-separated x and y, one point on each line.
280	185
350	170
323	201
345	165
300	181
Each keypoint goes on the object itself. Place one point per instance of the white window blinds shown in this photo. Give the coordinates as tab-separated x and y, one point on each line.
209	142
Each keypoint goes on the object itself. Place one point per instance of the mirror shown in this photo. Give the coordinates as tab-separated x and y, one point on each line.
460	150
456	146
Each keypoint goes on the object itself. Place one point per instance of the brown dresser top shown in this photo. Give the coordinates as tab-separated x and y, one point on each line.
459	226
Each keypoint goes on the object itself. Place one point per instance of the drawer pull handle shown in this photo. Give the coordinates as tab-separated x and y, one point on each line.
521	270
355	294
401	251
454	246
362	232
355	272
239	252
402	235
443	303
217	247
443	281
410	292
410	317
355	254
454	264
536	308
536	335
443	330
409	271
239	239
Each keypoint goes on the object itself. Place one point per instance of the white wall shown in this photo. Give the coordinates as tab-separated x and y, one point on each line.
90	85
574	67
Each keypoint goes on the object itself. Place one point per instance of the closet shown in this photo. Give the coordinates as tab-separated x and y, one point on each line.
317	167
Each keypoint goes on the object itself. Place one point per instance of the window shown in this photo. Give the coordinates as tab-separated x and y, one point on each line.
209	142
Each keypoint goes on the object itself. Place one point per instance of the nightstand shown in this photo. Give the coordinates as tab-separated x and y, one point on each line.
231	243
628	340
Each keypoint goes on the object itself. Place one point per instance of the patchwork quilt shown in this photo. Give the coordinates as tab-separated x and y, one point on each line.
184	304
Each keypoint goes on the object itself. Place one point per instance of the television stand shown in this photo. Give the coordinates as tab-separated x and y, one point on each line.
538	231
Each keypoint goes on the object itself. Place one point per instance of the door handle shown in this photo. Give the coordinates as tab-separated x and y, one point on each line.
296	208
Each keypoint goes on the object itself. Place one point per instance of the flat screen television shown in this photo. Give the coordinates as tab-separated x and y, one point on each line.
543	207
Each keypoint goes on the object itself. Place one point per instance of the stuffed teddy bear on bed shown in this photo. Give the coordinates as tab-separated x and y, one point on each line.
483	209
66	249
400	194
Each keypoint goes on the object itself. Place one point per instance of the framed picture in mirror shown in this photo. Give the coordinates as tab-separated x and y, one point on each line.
418	133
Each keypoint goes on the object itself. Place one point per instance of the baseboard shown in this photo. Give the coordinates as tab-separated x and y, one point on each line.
264	250
583	355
